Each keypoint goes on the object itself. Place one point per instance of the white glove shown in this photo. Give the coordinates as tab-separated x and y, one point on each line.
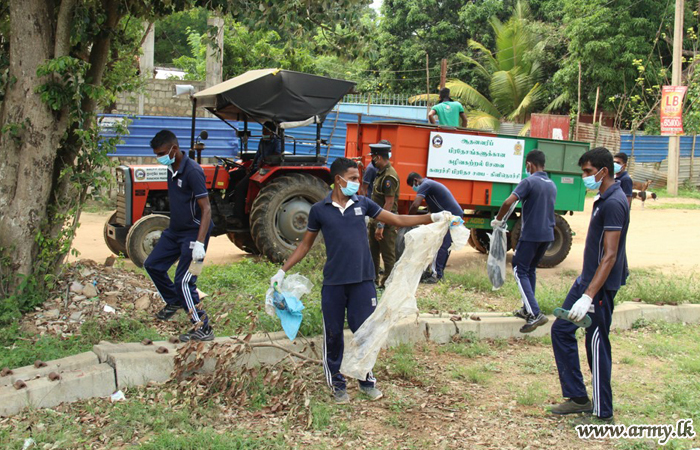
580	308
442	216
198	251
278	278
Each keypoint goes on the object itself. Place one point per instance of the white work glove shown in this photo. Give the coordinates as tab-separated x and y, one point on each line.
278	278
442	216
495	223
198	251
580	308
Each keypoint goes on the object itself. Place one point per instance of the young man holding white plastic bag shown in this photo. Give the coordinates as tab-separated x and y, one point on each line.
349	271
537	194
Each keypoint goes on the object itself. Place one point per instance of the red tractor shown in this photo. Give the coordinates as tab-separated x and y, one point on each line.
280	192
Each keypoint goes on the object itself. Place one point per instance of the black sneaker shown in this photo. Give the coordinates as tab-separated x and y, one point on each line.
521	313
533	322
431	280
168	312
205	333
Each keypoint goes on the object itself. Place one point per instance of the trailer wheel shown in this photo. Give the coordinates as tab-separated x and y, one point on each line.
113	244
280	213
559	250
143	237
244	241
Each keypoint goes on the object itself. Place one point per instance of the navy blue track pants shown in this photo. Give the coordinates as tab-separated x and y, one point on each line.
360	301
525	259
597	350
442	255
183	292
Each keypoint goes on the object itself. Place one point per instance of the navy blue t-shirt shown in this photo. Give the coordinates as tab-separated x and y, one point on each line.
611	212
537	194
348	259
438	197
625	183
368	178
184	188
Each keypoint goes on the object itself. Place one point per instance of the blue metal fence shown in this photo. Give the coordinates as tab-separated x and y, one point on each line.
653	148
222	139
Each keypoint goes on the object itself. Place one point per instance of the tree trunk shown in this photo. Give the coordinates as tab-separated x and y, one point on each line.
32	134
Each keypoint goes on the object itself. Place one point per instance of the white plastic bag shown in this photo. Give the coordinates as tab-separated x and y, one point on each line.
496	262
296	285
399	299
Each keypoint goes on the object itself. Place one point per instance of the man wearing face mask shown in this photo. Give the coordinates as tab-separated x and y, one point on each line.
593	293
621	175
537	194
385	192
438	198
185	239
348	275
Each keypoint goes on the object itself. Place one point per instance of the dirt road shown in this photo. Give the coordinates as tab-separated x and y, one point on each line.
658	238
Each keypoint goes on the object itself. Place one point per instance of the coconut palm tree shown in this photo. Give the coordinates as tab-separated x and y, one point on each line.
513	74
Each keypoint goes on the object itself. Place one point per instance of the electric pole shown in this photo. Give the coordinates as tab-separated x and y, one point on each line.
674	142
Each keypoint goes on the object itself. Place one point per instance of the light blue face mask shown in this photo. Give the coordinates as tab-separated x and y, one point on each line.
415	188
618	168
166	160
350	189
591	183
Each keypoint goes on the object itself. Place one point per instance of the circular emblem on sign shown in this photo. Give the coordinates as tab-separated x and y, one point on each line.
518	149
140	174
437	141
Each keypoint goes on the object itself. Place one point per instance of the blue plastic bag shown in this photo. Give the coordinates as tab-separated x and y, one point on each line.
288	309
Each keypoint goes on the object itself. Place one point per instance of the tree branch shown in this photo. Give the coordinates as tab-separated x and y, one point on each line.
63	23
279	347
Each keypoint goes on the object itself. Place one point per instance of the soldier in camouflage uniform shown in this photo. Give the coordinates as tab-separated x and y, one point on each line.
382	238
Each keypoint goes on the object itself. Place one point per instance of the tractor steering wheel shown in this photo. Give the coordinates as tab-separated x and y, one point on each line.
229	162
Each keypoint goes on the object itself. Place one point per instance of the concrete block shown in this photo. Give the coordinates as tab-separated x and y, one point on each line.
104	349
689	313
440	331
406	331
138	368
80	361
625	315
12	401
509	327
94	381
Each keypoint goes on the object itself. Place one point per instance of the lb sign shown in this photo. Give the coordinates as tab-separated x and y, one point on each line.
672	109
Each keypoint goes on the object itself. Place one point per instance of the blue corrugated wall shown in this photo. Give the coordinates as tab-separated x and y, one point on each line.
222	139
654	148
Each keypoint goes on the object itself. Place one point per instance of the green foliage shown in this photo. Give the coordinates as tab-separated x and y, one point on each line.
171	34
513	74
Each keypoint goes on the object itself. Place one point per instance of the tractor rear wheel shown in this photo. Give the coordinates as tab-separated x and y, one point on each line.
244	241
280	213
143	237
113	244
558	250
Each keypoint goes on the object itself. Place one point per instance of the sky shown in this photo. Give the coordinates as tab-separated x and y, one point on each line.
376	4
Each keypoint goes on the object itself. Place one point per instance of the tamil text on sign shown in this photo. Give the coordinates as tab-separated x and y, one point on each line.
477	158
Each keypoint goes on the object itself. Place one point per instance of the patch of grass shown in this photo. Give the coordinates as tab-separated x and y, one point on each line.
683	192
117	330
628	360
689	206
536	364
656	287
535	393
210	439
321	414
403	363
471	374
468	349
22	350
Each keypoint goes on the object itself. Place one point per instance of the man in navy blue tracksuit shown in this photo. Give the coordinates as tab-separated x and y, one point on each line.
348	276
438	198
537	194
593	292
185	239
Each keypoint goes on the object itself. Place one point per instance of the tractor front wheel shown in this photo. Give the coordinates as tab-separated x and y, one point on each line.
280	213
144	235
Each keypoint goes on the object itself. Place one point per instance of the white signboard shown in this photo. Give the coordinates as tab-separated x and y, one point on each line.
150	174
476	158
